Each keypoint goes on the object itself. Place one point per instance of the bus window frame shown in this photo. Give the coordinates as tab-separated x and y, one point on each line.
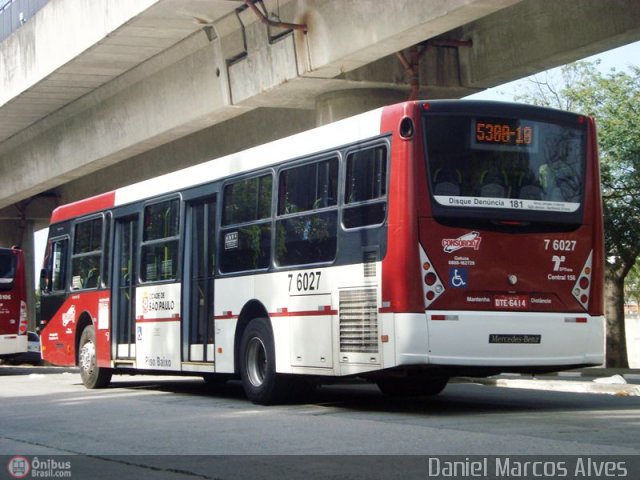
5	282
175	238
73	255
344	205
225	228
284	217
493	218
46	275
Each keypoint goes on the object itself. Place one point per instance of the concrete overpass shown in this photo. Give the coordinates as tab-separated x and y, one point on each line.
95	95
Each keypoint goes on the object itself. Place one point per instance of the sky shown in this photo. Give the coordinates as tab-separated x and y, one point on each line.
619	58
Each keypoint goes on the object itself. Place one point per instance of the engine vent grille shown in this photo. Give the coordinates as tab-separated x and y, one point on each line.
358	321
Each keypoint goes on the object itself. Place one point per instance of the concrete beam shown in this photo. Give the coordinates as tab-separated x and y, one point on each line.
41	46
101	130
194	84
260	126
537	35
208	79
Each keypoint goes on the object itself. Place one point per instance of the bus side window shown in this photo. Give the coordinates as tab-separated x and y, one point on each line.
245	237
160	241
53	275
87	254
365	195
306	231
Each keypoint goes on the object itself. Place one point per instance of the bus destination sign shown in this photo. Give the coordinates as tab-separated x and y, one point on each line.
503	134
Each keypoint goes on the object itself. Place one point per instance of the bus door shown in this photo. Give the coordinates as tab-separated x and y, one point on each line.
125	276
197	327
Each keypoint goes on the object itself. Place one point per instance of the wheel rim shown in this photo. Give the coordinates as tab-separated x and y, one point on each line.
87	357
256	362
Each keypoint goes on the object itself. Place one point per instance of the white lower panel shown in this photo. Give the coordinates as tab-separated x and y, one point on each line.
196	353
124	352
202	368
158	345
10	344
464	339
508	339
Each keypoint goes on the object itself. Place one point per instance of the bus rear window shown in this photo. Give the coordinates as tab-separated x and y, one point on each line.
509	163
7	270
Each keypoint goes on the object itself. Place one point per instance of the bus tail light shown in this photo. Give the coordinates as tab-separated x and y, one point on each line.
24	320
582	288
432	286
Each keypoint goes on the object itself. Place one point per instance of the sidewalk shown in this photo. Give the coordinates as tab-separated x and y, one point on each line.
609	381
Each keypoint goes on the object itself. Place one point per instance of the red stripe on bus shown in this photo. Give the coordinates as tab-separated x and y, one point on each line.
284	312
154	320
304	313
84	207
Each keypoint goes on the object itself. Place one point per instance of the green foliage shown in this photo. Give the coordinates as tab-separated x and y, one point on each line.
614	100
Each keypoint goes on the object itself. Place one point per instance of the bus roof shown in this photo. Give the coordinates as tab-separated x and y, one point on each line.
317	140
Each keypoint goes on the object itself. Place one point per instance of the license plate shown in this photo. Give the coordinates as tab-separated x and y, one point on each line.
511	302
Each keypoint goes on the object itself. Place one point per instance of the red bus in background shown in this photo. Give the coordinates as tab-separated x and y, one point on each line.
406	245
13	303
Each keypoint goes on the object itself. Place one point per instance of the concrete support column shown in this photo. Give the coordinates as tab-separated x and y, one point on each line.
20	233
333	106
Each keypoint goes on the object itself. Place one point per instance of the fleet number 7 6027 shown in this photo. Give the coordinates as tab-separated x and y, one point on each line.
304	282
559	245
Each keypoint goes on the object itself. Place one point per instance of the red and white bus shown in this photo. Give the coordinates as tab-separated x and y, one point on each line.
406	245
13	303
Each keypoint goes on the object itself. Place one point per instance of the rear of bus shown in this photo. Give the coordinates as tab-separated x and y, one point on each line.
511	237
13	305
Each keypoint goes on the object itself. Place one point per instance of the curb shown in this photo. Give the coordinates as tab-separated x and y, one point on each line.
570	386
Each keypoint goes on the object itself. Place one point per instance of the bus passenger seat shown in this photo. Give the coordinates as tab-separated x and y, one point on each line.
447	181
493	183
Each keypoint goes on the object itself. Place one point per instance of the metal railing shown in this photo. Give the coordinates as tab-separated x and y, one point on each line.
15	13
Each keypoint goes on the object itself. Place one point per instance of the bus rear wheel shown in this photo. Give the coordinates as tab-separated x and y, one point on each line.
92	376
260	381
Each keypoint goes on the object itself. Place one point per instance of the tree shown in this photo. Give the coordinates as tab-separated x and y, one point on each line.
614	100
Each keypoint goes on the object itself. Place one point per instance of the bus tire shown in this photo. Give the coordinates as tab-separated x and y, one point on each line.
412	387
92	376
260	381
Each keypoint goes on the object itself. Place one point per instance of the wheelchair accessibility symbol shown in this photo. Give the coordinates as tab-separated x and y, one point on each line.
458	277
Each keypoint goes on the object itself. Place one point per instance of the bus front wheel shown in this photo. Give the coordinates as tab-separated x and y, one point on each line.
92	376
260	381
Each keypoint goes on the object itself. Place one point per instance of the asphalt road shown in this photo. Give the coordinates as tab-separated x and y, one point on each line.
169	427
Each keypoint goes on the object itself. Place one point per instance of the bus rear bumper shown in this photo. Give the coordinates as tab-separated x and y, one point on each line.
11	345
499	339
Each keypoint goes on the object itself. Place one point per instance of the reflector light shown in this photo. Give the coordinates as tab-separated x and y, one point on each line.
24	321
575	320
582	286
430	278
432	286
444	317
